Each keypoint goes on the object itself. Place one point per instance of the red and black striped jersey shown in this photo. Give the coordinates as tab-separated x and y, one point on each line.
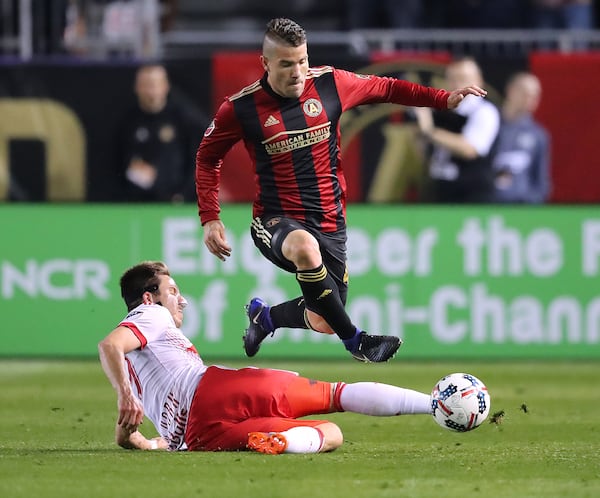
294	143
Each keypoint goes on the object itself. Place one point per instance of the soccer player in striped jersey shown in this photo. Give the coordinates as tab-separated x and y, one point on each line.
289	124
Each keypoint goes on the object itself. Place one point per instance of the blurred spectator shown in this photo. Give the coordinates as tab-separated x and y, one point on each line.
563	14
460	141
47	23
476	14
157	142
365	14
521	161
123	25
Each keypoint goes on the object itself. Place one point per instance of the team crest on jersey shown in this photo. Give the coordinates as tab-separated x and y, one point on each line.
272	222
210	128
312	108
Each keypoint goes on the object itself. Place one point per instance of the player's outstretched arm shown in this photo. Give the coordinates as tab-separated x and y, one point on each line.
112	350
457	96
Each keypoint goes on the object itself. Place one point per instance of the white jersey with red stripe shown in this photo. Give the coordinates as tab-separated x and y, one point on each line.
164	372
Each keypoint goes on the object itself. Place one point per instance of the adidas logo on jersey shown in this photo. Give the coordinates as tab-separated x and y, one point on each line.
271	120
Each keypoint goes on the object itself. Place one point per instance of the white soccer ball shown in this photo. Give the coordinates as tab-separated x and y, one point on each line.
460	402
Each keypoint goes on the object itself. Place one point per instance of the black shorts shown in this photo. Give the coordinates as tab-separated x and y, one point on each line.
269	232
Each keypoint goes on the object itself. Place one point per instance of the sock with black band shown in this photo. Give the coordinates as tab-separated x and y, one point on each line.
321	296
289	314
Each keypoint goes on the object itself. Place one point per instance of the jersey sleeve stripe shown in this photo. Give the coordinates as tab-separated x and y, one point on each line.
136	331
246	91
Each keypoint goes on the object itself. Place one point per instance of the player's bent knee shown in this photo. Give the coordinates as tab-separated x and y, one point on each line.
332	436
302	249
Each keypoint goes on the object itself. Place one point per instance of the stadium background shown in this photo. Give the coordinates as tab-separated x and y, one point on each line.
63	250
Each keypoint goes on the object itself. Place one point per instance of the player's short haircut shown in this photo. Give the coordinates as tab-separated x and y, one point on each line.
285	31
143	277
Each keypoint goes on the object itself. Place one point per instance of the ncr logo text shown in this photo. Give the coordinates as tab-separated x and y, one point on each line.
55	279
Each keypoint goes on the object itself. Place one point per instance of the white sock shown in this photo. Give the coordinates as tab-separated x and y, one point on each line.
303	440
383	400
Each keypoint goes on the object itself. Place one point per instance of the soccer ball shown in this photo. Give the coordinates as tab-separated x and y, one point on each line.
460	402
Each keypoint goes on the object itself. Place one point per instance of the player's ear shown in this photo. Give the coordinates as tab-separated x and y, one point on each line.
147	298
265	63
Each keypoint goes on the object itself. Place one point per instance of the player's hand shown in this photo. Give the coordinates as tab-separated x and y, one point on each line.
214	238
457	96
131	412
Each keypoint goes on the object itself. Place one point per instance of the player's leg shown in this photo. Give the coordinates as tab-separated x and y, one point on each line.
363	346
380	400
276	435
305	397
289	245
230	404
324	288
263	319
301	438
319	289
279	400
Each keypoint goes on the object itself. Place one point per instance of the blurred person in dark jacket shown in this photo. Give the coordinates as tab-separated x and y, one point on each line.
460	142
522	157
157	140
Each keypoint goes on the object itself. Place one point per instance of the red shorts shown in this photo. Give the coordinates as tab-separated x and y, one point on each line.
228	404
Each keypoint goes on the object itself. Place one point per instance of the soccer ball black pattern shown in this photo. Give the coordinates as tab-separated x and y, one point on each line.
460	402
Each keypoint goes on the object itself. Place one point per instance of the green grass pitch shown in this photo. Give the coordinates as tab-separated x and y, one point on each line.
57	419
